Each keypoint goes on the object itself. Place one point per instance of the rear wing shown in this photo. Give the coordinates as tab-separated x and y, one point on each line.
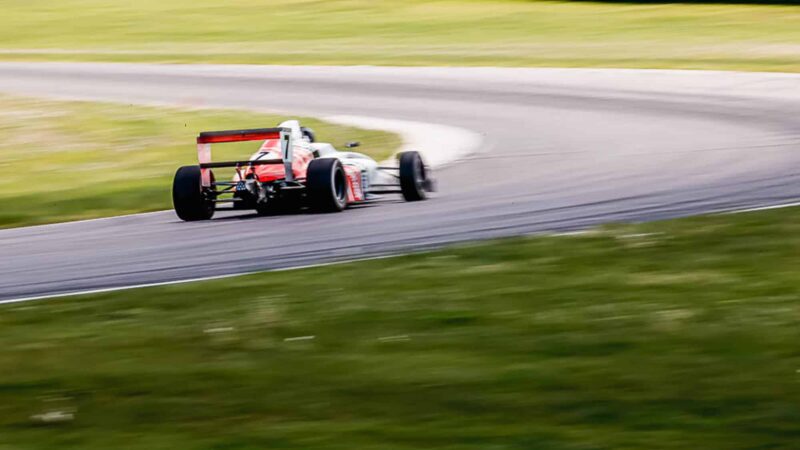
206	138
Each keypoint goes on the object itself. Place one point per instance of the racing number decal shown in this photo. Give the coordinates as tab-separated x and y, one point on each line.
286	143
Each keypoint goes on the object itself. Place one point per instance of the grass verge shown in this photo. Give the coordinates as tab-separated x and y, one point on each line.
413	32
78	160
671	335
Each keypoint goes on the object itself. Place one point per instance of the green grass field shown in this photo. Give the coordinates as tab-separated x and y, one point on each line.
411	32
672	335
76	160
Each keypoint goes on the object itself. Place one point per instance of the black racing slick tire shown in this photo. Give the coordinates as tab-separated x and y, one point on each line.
413	176
326	185
188	198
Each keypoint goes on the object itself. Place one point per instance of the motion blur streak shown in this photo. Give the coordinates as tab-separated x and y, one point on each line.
563	149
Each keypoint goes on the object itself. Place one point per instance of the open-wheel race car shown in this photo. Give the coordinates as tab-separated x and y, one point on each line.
289	172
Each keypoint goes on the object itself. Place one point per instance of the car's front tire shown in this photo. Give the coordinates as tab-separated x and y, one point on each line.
188	198
326	185
413	176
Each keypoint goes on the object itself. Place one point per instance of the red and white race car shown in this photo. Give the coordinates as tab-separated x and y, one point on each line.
289	172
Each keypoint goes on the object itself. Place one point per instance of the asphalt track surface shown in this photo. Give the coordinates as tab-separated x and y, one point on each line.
561	150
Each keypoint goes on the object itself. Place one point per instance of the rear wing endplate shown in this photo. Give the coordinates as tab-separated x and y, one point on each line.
206	138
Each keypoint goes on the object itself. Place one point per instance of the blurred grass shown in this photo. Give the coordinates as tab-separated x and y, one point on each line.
64	160
671	335
412	32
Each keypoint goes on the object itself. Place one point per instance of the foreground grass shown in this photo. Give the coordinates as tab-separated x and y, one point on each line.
76	160
672	335
412	32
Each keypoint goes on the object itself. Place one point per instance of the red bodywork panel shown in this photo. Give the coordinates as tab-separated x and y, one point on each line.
217	137
301	158
271	150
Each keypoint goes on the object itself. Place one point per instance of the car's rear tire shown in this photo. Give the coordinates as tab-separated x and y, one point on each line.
413	176
188	198
326	185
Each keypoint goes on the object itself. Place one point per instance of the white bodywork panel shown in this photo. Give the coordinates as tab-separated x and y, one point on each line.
367	165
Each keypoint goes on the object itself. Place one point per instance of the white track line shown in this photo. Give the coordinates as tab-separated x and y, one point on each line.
308	266
191	280
762	208
98	219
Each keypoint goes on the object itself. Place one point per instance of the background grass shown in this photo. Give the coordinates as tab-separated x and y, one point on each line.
669	335
76	160
411	32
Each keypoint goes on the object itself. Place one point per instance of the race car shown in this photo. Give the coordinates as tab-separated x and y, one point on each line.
291	171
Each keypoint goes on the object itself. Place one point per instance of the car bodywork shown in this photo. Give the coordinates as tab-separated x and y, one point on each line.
289	172
360	169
